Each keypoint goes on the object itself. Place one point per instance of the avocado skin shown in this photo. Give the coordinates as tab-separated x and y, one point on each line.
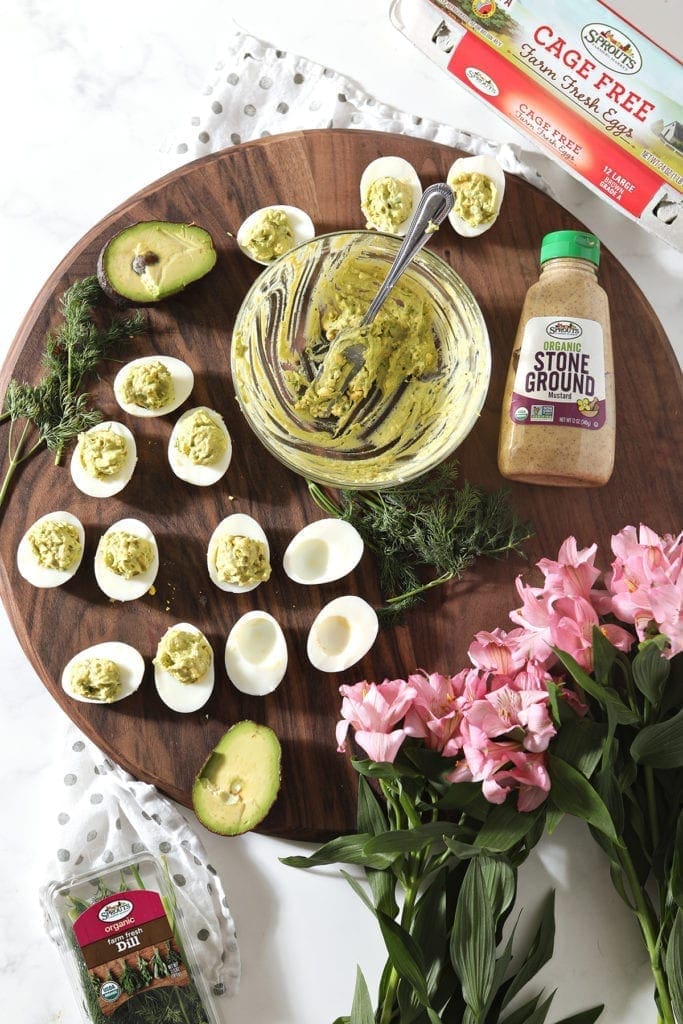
242	740
121	286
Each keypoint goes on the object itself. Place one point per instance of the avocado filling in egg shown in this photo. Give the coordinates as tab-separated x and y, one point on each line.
475	198
149	385
54	545
201	439
241	561
102	453
187	656
96	679
388	202
126	554
270	236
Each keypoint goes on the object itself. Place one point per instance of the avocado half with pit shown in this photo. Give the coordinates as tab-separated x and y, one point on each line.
153	259
239	781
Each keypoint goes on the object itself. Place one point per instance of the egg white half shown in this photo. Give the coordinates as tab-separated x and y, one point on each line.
91	485
392	167
130	662
37	574
323	551
187	470
184	697
181	375
117	587
239	524
341	634
489	167
256	654
301	224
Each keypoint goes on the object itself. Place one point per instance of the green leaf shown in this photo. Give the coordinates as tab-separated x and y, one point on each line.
540	950
604	655
397	842
341	850
584	1016
461	795
463	851
553	817
430	929
405	956
650	671
676	873
384	770
571	793
370	813
504	827
500	880
472	942
359	891
673	963
541	1012
604	695
361	1008
660	745
580	743
521	1014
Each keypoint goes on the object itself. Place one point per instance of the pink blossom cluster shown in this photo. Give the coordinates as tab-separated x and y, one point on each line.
494	719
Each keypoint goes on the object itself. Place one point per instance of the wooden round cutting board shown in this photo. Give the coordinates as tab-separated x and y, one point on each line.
318	171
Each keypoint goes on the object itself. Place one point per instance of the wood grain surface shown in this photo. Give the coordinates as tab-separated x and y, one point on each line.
318	171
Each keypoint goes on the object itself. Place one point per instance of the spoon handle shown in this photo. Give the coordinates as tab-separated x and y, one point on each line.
434	206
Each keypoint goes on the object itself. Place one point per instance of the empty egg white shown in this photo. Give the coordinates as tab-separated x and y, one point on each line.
390	167
341	634
200	474
325	550
182	378
237	525
117	587
179	696
489	168
37	574
256	654
301	225
130	663
105	487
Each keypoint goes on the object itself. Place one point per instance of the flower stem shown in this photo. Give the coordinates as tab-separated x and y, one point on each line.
411	886
652	806
649	930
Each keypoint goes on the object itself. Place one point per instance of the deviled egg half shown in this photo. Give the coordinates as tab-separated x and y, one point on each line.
272	231
478	183
341	634
126	560
390	190
323	551
256	654
104	459
51	550
103	673
238	555
153	385
200	448
183	668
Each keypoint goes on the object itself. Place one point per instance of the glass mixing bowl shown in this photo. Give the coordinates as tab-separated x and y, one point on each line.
390	438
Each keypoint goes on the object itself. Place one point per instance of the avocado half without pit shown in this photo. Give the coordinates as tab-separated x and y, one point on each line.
239	781
153	259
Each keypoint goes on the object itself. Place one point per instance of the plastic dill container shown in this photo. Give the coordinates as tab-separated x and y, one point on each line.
558	413
128	958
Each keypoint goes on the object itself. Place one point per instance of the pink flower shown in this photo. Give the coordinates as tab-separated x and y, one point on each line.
573	574
509	710
497	652
534	640
501	767
373	711
571	629
646	583
434	715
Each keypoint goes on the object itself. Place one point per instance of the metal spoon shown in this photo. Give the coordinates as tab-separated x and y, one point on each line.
434	206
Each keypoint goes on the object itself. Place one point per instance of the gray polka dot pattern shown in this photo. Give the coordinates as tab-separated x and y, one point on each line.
63	856
92	834
165	847
282	108
216	107
266	82
232	78
179	880
203	136
203	934
70	779
137	847
78	746
250	110
96	798
298	78
63	818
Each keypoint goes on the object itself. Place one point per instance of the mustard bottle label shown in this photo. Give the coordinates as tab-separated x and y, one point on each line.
560	377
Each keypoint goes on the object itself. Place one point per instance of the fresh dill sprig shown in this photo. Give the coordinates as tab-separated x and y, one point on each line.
426	532
55	410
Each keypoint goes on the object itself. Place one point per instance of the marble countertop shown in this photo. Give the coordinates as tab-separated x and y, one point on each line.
91	92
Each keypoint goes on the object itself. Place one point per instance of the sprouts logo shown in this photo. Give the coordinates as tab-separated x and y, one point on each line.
479	80
612	48
115	911
563	330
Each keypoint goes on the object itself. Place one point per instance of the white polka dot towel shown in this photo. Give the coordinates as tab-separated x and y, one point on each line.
103	815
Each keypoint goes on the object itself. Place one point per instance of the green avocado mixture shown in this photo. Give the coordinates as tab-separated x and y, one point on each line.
270	236
54	545
398	346
187	656
148	385
241	560
387	203
201	439
126	554
475	198
96	678
102	453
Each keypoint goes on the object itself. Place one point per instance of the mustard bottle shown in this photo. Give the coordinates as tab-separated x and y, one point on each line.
558	414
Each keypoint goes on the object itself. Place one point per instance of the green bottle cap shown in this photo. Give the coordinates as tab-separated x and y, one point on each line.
578	244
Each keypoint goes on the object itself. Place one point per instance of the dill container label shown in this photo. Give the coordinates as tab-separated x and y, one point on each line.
560	377
128	946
